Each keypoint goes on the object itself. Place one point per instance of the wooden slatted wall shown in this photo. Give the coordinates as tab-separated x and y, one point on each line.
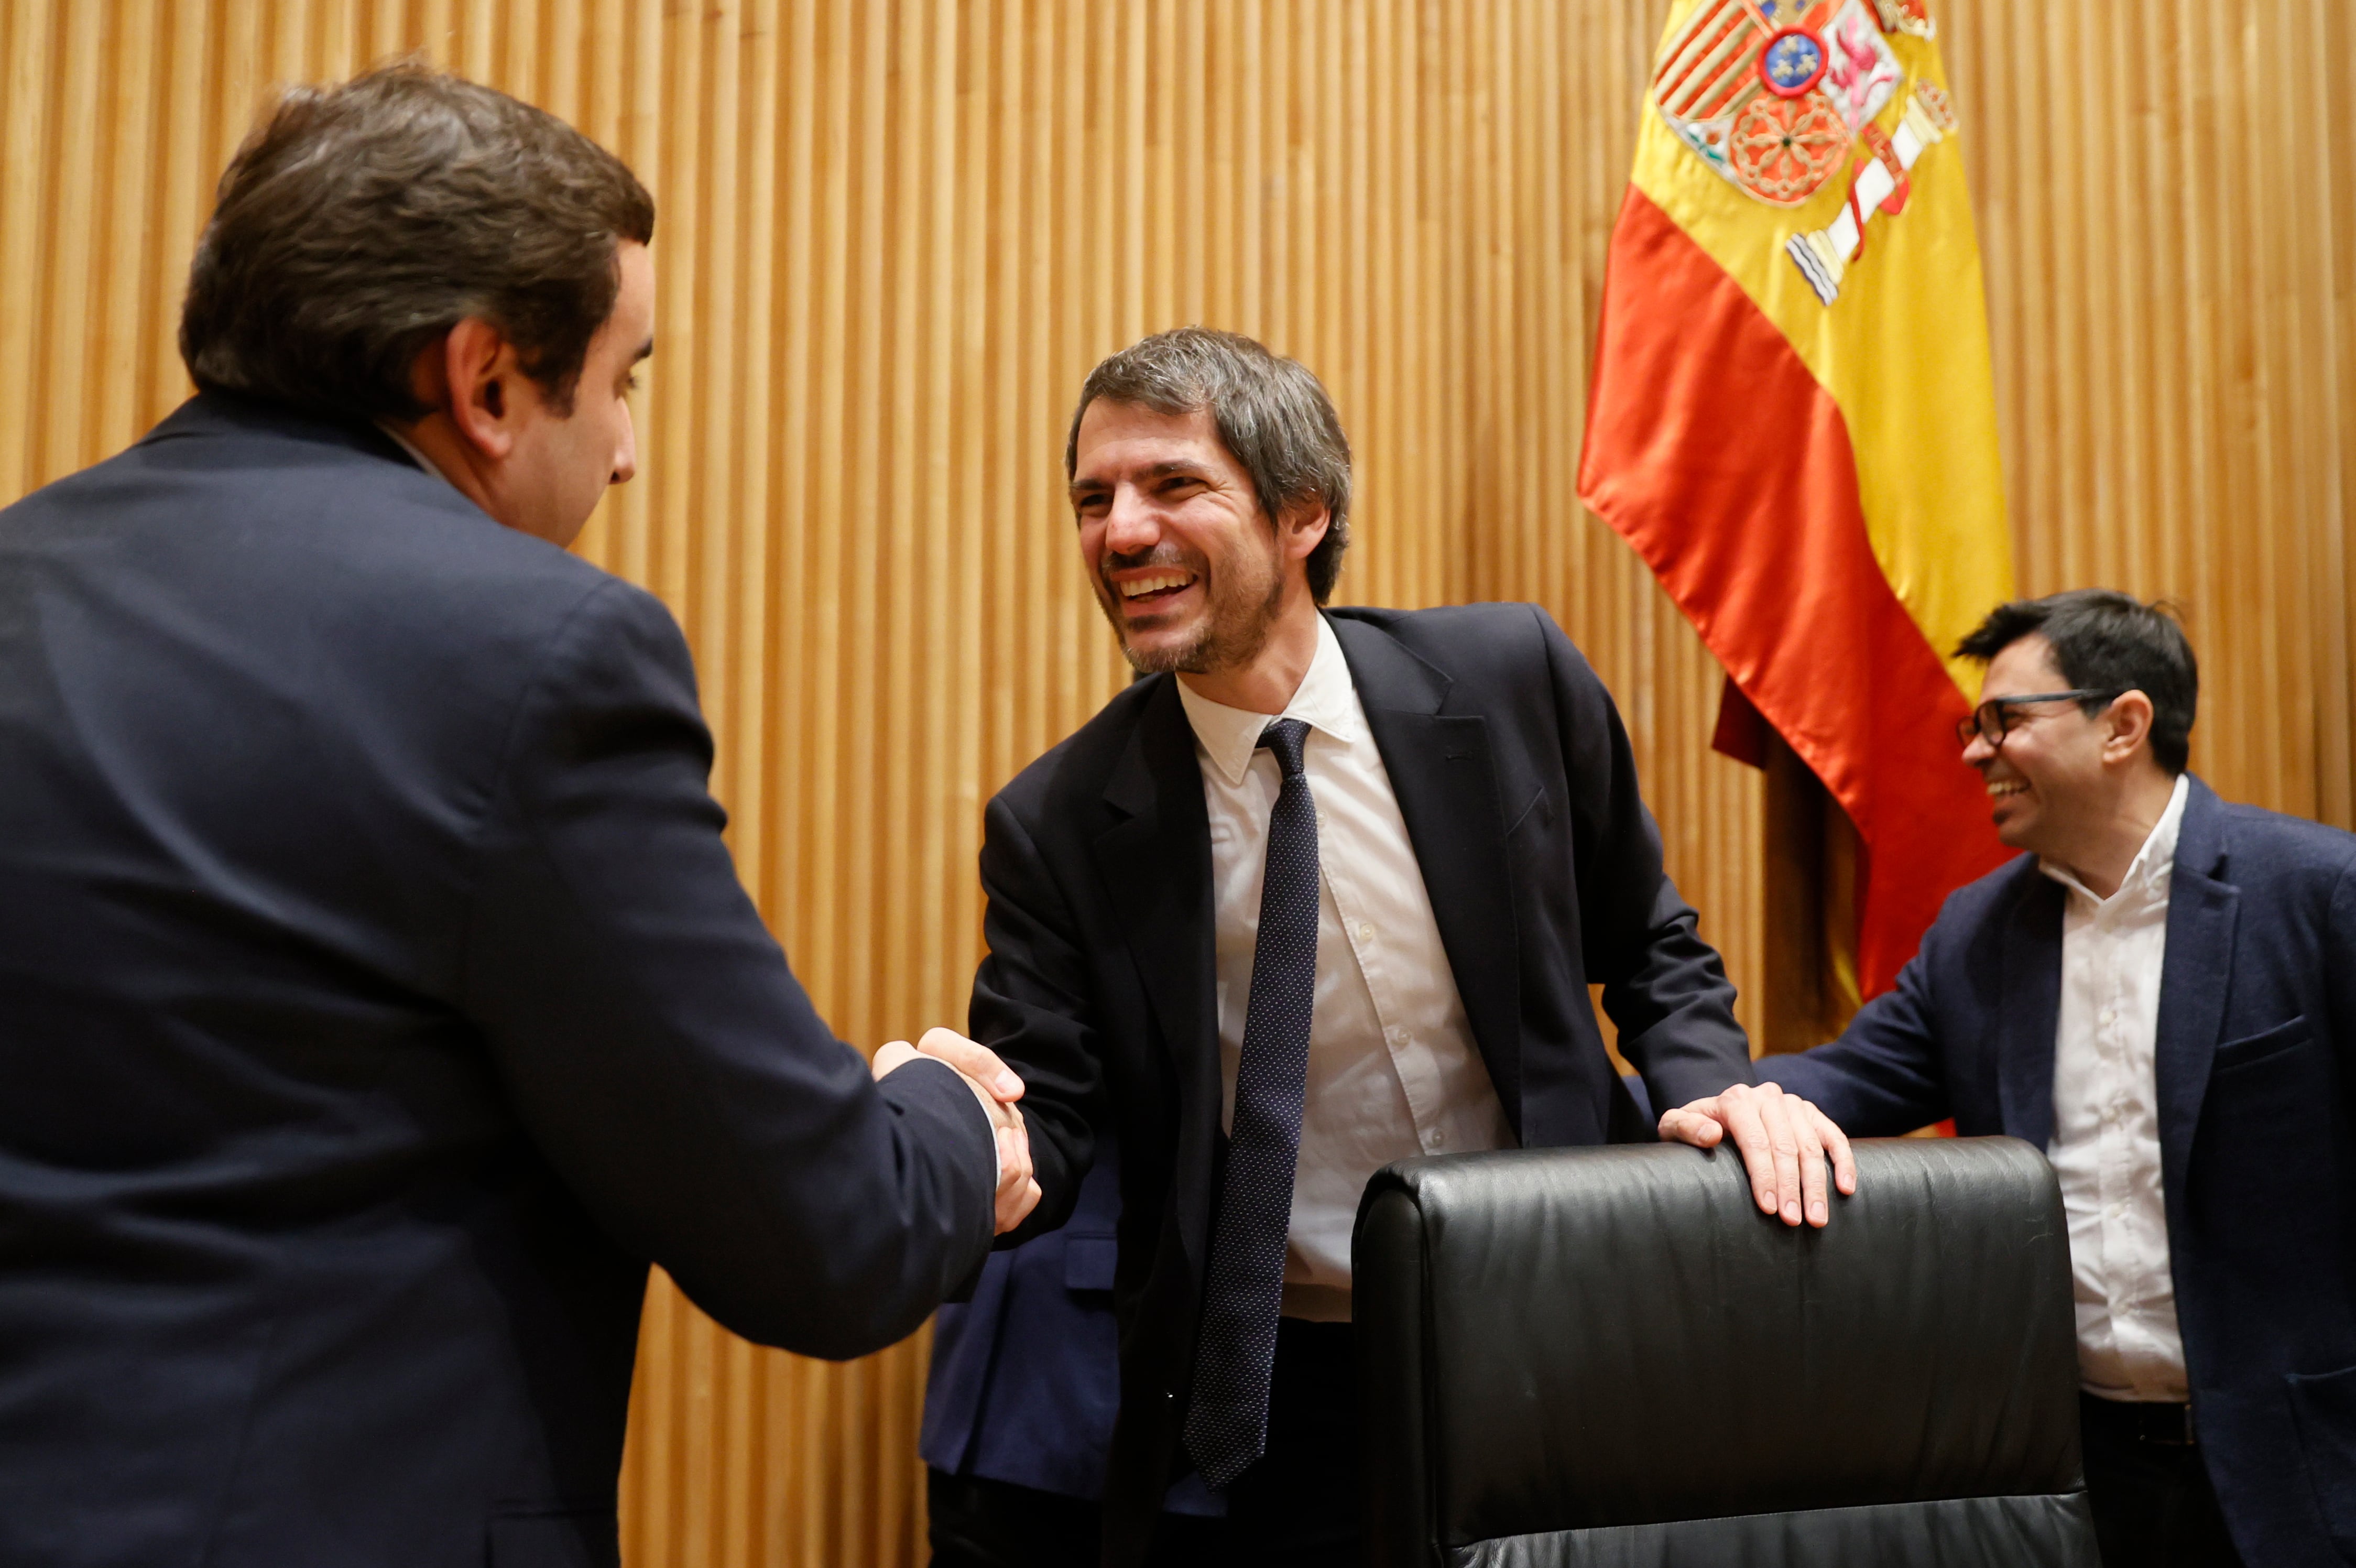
893	236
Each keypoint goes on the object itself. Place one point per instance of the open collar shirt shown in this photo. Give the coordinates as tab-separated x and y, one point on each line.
2106	1147
1393	1069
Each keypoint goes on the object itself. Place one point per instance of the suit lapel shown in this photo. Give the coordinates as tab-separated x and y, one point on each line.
1444	778
2029	1010
1154	858
2203	912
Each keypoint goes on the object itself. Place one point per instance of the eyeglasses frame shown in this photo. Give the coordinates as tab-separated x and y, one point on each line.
1966	730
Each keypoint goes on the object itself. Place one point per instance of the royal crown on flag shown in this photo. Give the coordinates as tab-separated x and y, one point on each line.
1776	96
1834	541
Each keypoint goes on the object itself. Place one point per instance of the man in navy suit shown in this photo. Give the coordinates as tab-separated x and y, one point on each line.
1024	1386
377	996
2161	993
1020	1401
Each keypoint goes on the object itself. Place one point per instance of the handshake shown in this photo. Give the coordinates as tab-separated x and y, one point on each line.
994	1084
1791	1151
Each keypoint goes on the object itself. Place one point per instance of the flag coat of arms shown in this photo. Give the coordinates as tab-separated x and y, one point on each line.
1793	416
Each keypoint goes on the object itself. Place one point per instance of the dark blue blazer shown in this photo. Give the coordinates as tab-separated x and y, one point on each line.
1518	789
377	998
1026	1376
2257	1070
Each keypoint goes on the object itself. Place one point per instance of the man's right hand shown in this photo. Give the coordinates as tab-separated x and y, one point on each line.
1786	1143
995	1085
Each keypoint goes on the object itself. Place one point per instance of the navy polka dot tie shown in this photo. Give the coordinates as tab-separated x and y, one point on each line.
1226	1418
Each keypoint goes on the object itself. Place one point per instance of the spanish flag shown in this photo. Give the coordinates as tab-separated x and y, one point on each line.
1793	418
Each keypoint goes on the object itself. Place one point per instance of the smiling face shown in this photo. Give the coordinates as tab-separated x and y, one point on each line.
2048	788
1186	565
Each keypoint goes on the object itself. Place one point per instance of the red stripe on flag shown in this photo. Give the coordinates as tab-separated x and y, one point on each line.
1712	449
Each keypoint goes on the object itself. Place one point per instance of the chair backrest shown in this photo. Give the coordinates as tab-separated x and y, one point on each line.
1589	1357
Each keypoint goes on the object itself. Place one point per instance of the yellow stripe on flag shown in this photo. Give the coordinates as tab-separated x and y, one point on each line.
1902	350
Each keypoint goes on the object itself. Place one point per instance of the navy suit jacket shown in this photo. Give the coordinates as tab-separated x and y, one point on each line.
377	998
2257	1081
1025	1375
1518	788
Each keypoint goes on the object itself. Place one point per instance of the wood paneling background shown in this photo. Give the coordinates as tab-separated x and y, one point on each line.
892	237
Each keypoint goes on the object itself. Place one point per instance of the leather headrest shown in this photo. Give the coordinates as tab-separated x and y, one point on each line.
1618	1336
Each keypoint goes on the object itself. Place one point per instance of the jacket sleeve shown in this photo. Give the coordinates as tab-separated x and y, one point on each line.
1882	1077
657	1047
2339	969
1665	988
1031	1003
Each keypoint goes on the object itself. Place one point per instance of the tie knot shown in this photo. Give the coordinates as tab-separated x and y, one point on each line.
1286	738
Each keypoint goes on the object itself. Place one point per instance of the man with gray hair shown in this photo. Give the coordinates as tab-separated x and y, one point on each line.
1320	890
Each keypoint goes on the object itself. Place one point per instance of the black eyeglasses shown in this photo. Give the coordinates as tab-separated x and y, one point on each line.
1993	720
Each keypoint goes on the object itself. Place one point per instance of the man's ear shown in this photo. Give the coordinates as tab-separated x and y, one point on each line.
1303	528
478	369
2129	719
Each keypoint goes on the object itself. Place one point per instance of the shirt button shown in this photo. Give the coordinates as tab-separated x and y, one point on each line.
1366	932
2110	1015
1433	1142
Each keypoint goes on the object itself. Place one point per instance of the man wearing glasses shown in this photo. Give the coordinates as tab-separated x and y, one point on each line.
2161	993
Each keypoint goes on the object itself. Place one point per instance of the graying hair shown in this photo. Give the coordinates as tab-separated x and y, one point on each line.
1271	415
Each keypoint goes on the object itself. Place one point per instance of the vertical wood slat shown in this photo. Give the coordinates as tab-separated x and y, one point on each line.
895	235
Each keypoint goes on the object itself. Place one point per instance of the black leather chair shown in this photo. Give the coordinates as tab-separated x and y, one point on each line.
1609	1358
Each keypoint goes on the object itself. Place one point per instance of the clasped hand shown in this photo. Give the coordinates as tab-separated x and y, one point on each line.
1784	1142
996	1085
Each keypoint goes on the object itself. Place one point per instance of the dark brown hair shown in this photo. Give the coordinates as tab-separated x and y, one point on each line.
1271	415
360	223
2107	641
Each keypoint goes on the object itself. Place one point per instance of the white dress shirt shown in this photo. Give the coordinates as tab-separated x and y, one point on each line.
1393	1071
2105	1145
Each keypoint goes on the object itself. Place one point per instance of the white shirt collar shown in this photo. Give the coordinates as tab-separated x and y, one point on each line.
419	458
2149	874
1327	700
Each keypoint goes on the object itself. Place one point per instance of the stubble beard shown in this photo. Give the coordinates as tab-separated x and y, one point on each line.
1241	616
